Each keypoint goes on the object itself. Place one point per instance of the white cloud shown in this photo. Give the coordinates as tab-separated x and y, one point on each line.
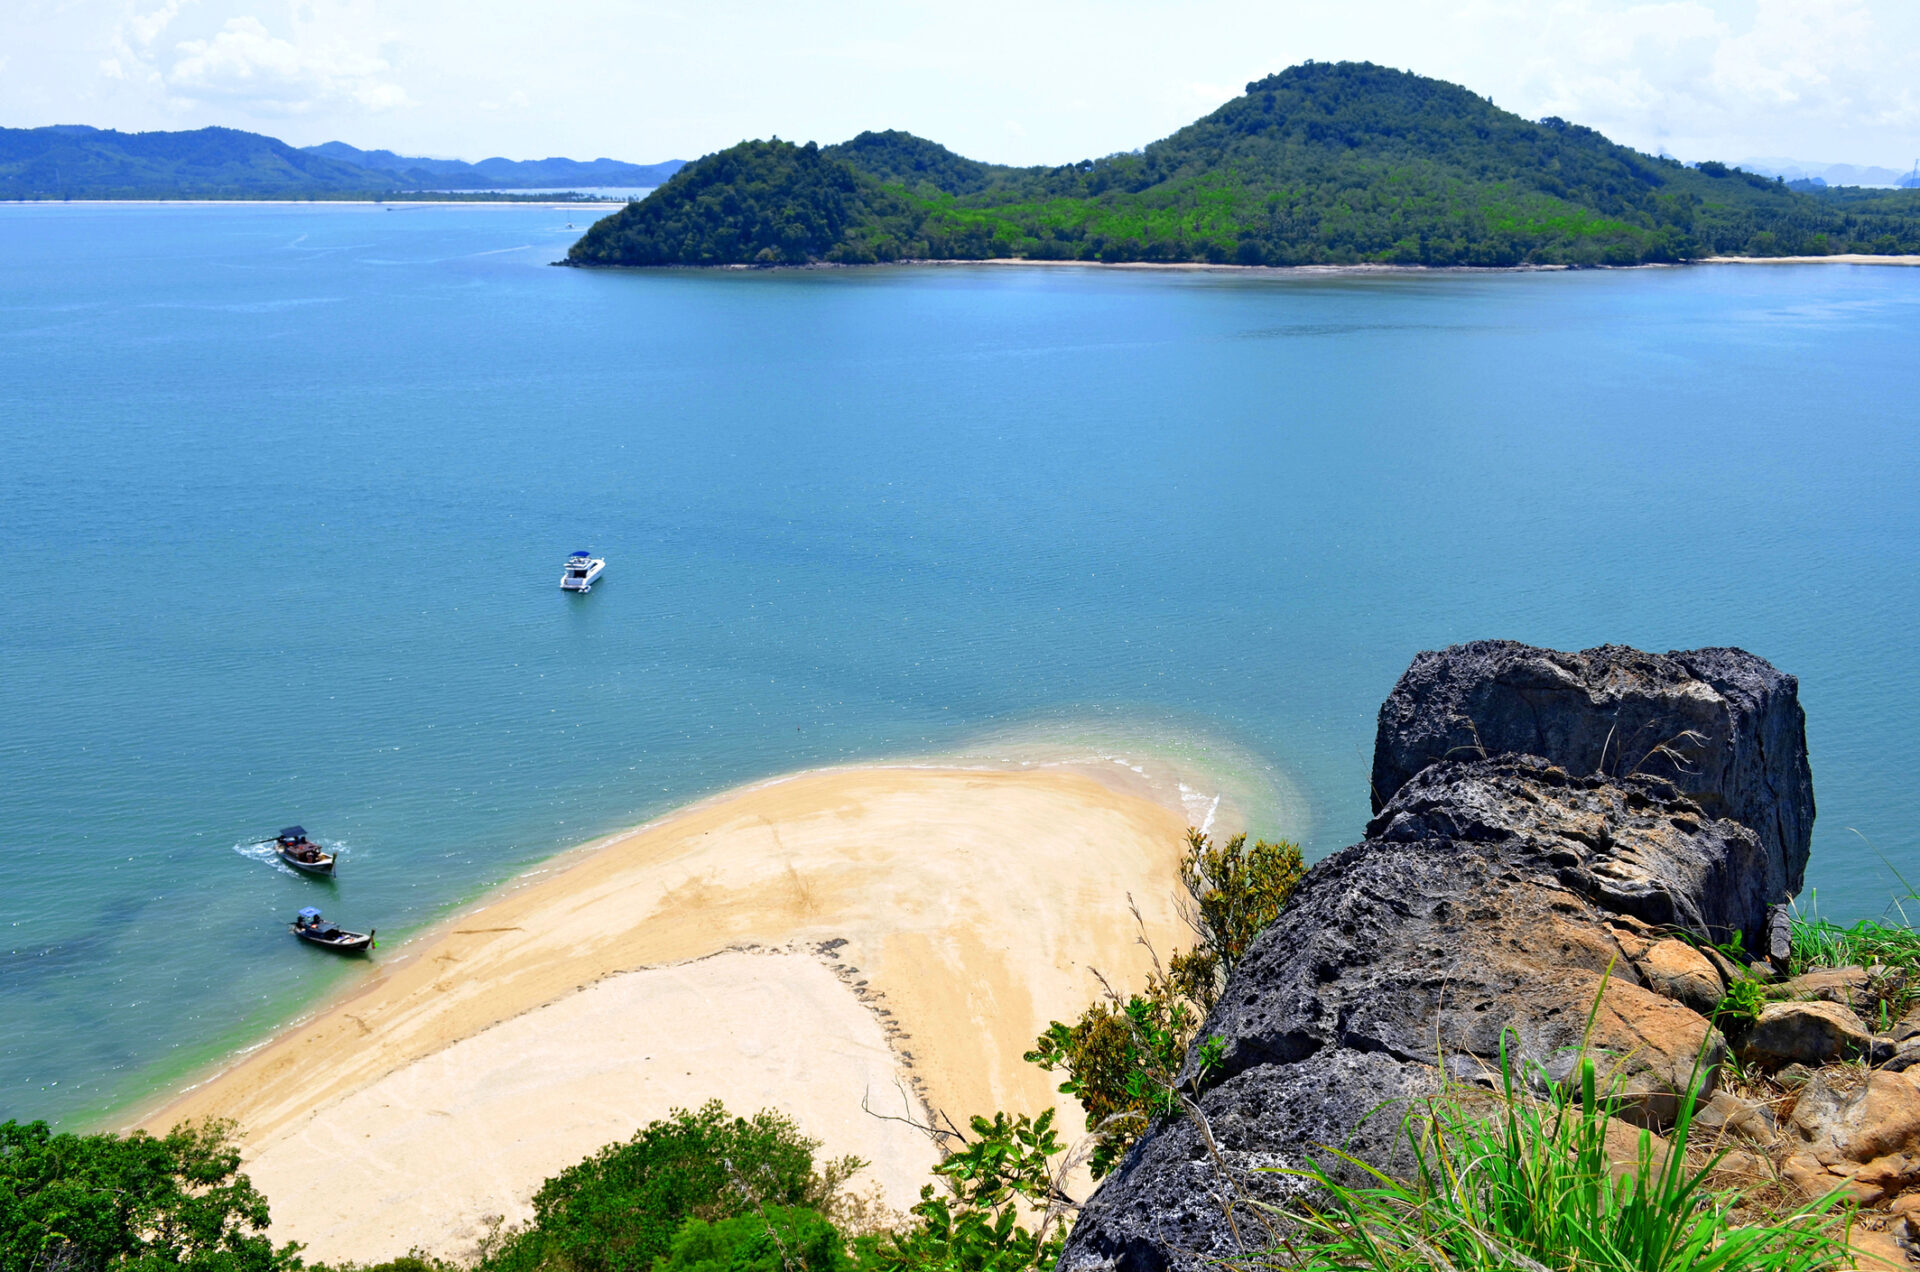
145	28
1693	73
246	62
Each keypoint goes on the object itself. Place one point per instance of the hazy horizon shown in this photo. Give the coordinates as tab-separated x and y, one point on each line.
1767	165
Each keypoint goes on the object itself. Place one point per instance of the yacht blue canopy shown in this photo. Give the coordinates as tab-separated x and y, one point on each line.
309	913
582	552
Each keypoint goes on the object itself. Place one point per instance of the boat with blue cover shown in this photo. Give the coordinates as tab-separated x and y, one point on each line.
310	927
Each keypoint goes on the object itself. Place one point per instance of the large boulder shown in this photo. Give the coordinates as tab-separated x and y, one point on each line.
1481	911
1845	1117
1681	972
1806	1033
1722	725
1542	821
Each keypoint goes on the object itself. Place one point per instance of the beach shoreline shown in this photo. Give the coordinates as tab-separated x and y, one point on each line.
922	922
1360	268
1843	258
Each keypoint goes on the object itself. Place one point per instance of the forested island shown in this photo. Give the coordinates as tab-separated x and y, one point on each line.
1323	163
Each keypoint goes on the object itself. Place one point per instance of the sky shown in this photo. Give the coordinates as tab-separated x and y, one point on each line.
1039	81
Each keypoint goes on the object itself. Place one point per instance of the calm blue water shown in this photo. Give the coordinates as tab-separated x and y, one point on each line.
285	492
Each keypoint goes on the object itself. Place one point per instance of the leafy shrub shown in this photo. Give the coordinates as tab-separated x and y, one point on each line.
618	1210
1123	1058
1235	893
766	1239
1740	1006
83	1202
976	1226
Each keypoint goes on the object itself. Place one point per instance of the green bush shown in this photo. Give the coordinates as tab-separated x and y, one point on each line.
977	1224
618	1210
1123	1058
85	1202
772	1239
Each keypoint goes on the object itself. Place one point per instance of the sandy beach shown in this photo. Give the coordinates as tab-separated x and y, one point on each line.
873	936
1843	258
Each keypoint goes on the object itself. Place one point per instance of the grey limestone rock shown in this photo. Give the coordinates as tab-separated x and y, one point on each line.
1476	910
1722	725
1537	813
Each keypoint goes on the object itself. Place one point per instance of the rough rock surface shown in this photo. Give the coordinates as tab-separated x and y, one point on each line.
1728	1114
1722	725
1530	834
1806	1033
1479	906
1843	985
1681	972
1857	1122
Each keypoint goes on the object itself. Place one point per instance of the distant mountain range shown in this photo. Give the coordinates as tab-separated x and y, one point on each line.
72	161
1835	174
504	174
1323	163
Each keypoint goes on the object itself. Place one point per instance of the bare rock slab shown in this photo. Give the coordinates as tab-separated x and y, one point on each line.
1846	1123
1725	727
1479	912
1810	1033
1681	972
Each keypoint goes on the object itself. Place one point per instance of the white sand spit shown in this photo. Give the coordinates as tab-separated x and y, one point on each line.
936	918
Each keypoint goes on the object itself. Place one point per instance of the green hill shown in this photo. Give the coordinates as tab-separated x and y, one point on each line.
761	203
1324	163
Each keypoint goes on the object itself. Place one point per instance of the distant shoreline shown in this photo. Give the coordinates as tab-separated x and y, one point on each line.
528	201
1361	267
1845	258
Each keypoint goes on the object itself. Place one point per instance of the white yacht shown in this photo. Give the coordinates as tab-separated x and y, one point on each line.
582	569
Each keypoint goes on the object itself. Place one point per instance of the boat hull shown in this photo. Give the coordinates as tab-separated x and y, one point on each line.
344	943
322	868
583	583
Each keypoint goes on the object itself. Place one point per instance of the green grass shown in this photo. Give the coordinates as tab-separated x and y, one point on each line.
1820	943
1511	1179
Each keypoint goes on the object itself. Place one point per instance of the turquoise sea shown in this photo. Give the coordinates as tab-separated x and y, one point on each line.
284	493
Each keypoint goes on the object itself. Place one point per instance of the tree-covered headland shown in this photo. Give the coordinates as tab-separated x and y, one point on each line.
1324	163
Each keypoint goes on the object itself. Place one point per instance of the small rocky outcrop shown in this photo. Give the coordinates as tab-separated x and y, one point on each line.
1858	1131
1681	972
1513	867
1809	1033
1723	726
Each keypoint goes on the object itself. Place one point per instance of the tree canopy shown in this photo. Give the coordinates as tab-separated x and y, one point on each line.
618	1210
88	1203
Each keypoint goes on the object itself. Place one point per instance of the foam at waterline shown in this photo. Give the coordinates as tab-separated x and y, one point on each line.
1193	800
